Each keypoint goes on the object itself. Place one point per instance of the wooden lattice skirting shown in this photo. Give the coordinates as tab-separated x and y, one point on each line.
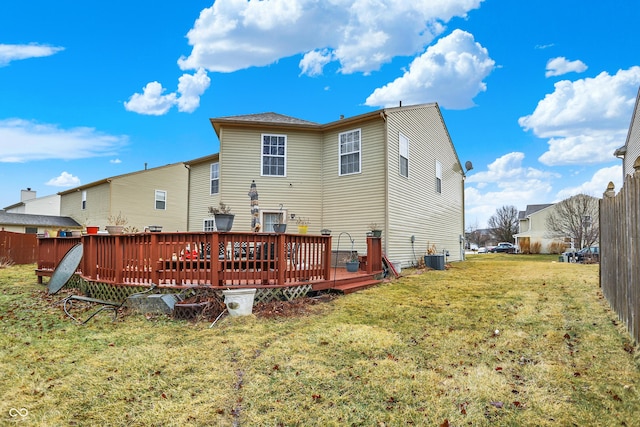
119	293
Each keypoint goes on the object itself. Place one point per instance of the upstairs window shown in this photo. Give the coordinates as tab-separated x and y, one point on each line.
161	200
274	155
349	146
438	177
84	200
404	155
215	178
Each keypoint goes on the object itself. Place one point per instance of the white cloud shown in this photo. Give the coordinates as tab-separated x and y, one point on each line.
64	180
361	35
506	182
585	120
15	52
560	65
596	185
313	62
115	161
152	101
449	72
23	140
190	89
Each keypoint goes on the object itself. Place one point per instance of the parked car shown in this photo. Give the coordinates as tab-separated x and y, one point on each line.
483	250
592	253
504	247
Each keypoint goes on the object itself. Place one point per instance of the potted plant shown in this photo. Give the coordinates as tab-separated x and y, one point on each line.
303	225
223	216
352	263
116	223
280	227
376	231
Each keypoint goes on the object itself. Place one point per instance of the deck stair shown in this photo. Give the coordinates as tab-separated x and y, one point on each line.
347	283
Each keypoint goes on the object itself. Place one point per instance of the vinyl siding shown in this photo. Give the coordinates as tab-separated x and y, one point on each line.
97	209
415	208
352	202
537	229
134	196
298	191
200	198
633	140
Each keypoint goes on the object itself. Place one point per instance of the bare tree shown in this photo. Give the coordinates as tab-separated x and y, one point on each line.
575	218
504	223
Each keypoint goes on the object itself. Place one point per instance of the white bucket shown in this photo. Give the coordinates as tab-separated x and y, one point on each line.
239	302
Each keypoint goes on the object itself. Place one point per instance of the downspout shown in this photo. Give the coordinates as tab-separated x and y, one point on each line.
188	167
383	115
464	226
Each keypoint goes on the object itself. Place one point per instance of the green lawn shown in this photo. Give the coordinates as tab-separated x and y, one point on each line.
496	340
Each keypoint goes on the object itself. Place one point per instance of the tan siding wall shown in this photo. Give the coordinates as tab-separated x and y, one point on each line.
97	206
240	154
200	195
351	202
134	196
415	208
633	145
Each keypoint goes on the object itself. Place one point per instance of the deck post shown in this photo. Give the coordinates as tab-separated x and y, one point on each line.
282	258
155	258
215	258
327	258
119	261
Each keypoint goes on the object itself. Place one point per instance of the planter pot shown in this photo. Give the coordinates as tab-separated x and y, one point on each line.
155	228
325	232
279	228
224	222
92	230
434	261
352	266
239	302
302	229
376	233
115	229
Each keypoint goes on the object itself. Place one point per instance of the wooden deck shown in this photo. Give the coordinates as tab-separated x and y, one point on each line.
186	260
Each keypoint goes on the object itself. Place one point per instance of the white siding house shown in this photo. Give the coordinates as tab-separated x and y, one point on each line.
630	151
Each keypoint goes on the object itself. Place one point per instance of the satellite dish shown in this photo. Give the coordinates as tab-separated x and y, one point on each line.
468	165
63	272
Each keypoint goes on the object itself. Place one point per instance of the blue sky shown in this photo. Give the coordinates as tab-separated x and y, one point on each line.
537	95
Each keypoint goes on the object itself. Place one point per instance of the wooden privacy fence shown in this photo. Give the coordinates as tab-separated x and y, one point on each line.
620	250
19	248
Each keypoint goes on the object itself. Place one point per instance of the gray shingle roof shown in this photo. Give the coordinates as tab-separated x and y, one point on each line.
36	220
531	209
267	118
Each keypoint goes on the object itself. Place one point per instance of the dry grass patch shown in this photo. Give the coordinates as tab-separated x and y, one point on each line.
496	340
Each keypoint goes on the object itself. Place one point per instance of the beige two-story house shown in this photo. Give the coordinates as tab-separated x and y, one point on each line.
154	196
395	167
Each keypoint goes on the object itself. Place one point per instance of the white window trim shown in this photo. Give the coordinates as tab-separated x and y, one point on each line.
438	176
212	178
285	215
204	224
340	154
262	155
401	137
83	202
155	200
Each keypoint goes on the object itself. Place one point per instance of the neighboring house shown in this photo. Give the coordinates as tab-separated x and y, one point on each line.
36	224
395	167
532	229
156	196
630	151
30	204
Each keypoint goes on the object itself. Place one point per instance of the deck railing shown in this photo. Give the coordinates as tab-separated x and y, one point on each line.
203	258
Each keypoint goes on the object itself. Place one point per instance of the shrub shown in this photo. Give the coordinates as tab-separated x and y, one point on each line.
535	248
